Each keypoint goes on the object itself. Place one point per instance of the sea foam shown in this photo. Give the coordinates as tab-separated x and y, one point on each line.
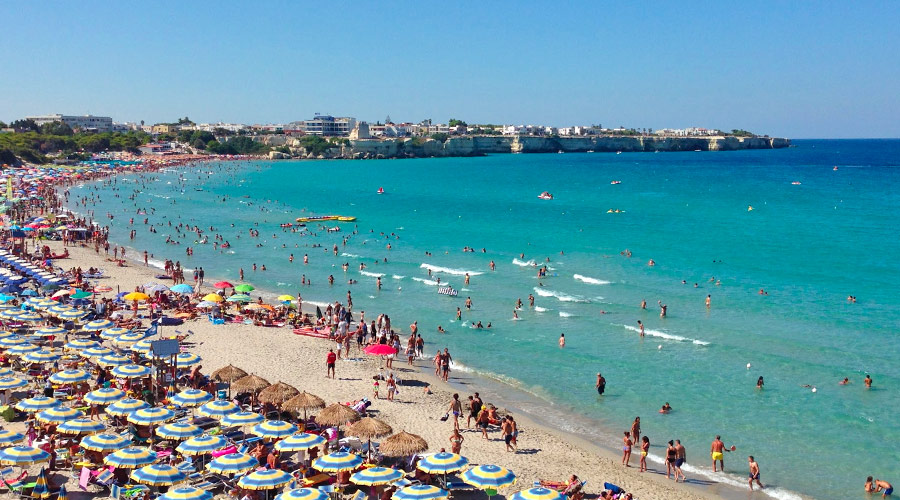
590	281
447	270
664	335
563	297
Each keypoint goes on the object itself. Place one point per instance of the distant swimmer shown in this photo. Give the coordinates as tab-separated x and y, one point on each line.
868	381
749	208
562	339
643	303
763	292
651	263
666	408
760	382
708	301
844	382
662	309
601	384
641	326
515	314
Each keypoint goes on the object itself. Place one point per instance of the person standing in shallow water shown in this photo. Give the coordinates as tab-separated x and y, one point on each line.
601	384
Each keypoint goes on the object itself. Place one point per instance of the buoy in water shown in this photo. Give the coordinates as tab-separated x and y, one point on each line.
814	389
659	347
748	366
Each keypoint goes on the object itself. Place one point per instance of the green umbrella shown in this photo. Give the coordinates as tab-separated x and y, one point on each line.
244	288
81	295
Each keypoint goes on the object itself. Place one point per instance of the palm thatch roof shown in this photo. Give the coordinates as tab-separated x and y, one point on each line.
250	383
402	444
303	401
368	428
228	374
337	414
278	393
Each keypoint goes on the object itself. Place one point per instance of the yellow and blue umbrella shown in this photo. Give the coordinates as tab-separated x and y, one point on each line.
186	359
186	493
299	442
376	476
113	333
104	396
131	371
11	313
130	458
242	418
142	347
12	341
70	377
442	463
537	494
218	409
233	463
5	372
8	437
44	304
273	429
489	477
191	397
41	488
73	314
178	430
62	495
11	383
303	494
37	403
79	344
151	416
201	445
158	475
22	349
6	333
421	492
104	442
50	331
126	406
29	317
130	337
97	325
96	352
267	479
337	462
114	360
59	308
81	426
23	455
58	415
41	356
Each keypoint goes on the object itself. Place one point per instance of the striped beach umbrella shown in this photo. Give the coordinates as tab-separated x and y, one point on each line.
131	371
5	372
11	313
186	493
12	341
201	445
151	416
218	409
104	442
337	462
72	314
267	479
62	495
22	349
114	360
489	477
37	403
537	494
81	426
233	463
142	347
41	488
300	442
59	308
376	476
58	415
96	352
185	359
43	305
442	463
41	356
6	333
50	331
70	377
242	418
79	344
158	475
178	431
273	429
29	317
8	437
11	383
130	458
421	492
97	325
303	494
23	455
113	333
130	337
104	396
126	406
191	397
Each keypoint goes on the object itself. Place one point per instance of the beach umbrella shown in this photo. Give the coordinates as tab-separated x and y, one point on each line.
131	371
238	297
368	428
178	431
376	476
37	403
151	416
242	418
380	350
402	444
537	494
228	374
142	347
420	492
250	383
157	288
73	314
8	437
337	462
277	393
104	396
442	463
130	337
104	442
303	401
20	350
202	445
158	475
218	409
300	442
273	429
29	317
5	372
213	297
81	426
135	296
112	333
489	477
191	397
182	288
303	494
285	298
114	360
58	415
126	406
244	288
266	479
185	359
70	377
6	334
96	352
41	489
130	458
41	356
11	383
23	455
62	495
221	285
206	304
79	344
233	463
12	341
336	415
11	313
186	493
97	325
81	294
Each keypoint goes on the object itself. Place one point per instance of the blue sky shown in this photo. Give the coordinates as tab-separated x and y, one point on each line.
795	69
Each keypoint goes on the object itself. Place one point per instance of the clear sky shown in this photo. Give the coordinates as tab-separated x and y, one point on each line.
795	69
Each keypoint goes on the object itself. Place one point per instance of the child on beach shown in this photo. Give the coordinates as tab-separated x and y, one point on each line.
376	390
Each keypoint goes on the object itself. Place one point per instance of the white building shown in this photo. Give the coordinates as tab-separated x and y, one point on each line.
326	125
85	122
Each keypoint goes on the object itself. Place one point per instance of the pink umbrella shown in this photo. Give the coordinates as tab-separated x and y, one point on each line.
380	350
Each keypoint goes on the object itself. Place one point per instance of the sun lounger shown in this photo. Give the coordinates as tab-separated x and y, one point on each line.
309	482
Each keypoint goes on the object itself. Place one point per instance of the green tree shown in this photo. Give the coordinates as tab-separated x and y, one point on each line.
440	136
454	122
316	144
741	133
25	126
57	128
2	125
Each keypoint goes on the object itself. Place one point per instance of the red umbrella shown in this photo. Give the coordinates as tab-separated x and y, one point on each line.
223	285
380	350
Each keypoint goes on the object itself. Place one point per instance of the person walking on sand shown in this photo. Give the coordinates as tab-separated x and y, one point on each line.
626	449
754	473
717	452
484	419
456	441
680	459
330	359
455	409
506	431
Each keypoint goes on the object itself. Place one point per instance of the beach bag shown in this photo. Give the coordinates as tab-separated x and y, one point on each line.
445	417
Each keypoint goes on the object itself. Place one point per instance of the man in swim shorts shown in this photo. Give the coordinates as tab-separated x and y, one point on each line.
717	450
885	487
754	473
601	384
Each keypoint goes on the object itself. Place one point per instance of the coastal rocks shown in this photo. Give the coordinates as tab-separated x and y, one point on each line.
277	155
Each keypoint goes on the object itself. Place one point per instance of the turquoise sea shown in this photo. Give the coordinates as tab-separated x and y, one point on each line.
808	245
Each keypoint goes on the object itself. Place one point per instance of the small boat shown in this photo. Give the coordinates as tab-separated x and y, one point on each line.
381	190
835	168
545	196
618	152
560	151
616	182
796	183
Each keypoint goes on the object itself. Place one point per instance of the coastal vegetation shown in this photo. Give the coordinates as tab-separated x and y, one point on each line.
237	146
57	140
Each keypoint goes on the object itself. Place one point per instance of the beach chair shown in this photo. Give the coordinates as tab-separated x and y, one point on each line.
104	479
14	485
360	495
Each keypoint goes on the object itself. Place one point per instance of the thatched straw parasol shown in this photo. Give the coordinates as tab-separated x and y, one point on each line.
228	374
250	383
303	401
402	444
336	415
368	428
278	393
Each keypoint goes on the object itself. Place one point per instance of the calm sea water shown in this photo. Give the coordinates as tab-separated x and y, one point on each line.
809	245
